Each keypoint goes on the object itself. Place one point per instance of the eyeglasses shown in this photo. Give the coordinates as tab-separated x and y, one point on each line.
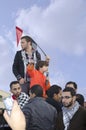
66	97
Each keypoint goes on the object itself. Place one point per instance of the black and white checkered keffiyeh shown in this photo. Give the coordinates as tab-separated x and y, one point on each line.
23	99
68	114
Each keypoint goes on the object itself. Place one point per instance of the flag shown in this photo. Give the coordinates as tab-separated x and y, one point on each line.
19	32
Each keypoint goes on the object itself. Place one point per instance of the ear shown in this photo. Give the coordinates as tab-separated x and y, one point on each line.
33	95
54	96
74	98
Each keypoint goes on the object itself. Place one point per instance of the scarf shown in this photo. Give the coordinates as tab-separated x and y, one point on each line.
26	60
69	113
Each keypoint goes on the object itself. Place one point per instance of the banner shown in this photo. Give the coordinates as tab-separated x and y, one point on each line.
19	33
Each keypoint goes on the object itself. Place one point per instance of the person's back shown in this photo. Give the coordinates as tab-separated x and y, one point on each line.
39	114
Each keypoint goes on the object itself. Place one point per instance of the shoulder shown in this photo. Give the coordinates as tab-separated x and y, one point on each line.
37	52
24	94
38	55
49	106
82	109
81	112
23	97
18	52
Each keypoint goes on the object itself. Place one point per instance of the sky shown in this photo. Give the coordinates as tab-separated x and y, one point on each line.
59	28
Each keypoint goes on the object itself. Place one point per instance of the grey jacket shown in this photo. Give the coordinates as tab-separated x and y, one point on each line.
39	115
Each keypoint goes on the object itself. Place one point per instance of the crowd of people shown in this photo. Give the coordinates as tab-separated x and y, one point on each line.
38	105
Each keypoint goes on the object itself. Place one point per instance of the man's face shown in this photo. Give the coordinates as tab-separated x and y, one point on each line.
67	99
24	44
16	89
58	96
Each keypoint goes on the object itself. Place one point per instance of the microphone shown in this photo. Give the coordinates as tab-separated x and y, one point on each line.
47	76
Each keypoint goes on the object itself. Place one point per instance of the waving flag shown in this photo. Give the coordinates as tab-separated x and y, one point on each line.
19	33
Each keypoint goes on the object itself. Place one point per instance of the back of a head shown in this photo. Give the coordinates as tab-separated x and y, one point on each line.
80	99
41	63
37	90
54	89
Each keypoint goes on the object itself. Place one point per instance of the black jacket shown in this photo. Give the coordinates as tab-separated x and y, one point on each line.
18	65
78	122
39	115
54	103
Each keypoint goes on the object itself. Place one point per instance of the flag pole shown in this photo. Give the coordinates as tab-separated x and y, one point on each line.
19	32
39	47
41	50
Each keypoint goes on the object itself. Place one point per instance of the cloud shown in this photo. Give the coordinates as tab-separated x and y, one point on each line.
61	25
58	78
6	59
58	28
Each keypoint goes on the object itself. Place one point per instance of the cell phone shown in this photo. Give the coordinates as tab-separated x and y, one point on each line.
8	103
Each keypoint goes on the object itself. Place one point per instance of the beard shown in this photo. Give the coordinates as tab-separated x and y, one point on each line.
68	104
17	94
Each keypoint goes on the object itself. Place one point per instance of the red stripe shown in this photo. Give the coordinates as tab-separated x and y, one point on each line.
19	32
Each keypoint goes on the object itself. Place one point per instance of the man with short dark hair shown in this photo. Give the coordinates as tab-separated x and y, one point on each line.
39	114
54	94
21	97
71	84
73	116
21	60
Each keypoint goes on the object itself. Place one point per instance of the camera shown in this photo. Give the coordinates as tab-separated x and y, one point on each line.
8	103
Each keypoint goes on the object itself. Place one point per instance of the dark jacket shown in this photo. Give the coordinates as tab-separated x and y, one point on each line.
54	103
39	115
3	124
18	65
78	122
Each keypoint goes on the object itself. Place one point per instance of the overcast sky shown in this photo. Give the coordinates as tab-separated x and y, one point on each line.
59	28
